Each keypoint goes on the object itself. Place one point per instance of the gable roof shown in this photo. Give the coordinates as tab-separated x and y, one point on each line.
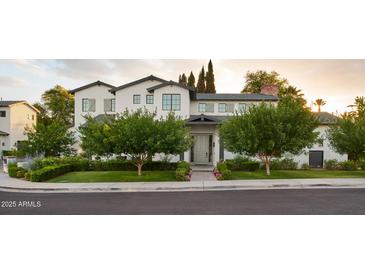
148	78
170	83
235	97
10	103
326	118
97	83
203	119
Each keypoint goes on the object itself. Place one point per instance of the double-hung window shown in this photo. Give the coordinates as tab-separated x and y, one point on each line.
241	107
171	102
222	107
3	113
109	105
136	99
149	99
202	107
88	105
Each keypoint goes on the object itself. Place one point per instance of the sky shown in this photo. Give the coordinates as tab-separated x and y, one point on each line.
336	81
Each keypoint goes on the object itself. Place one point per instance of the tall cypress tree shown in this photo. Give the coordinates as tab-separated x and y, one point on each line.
179	79
184	80
200	86
209	79
191	80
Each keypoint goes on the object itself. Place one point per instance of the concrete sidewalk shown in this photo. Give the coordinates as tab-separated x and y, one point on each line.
16	185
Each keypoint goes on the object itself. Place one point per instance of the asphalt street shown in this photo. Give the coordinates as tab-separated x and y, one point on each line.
289	201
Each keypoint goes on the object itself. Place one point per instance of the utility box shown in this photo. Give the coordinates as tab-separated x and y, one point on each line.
8	160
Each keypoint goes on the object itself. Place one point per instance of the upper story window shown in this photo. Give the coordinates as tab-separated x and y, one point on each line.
136	99
171	102
109	105
149	99
2	113
242	107
205	107
223	107
202	107
88	105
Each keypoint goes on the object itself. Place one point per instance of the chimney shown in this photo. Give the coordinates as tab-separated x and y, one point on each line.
270	90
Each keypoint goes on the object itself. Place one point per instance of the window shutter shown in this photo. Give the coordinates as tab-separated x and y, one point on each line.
230	107
92	103
210	107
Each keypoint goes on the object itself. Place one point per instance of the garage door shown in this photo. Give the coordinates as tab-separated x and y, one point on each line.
316	158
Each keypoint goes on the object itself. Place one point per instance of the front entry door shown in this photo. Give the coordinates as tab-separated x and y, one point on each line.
201	149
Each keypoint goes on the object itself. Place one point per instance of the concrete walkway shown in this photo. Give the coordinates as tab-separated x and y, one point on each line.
202	176
204	184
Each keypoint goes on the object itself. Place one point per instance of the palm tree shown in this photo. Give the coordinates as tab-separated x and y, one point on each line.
319	102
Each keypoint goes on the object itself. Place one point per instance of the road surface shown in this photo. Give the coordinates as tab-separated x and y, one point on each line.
290	201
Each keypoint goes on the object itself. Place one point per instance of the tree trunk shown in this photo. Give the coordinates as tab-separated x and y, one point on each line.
139	166
267	166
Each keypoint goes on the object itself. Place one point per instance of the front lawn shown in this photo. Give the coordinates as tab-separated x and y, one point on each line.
115	176
296	174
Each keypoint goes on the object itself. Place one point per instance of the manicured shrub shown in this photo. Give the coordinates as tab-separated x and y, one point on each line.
49	172
184	164
12	170
283	164
305	167
182	174
361	164
27	175
21	172
240	163
348	165
331	164
78	163
225	175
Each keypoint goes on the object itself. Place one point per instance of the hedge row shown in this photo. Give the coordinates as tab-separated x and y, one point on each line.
49	172
182	172
222	172
345	165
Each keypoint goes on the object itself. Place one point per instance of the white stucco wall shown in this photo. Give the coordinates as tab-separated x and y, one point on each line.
328	151
184	111
99	93
124	97
20	117
5	127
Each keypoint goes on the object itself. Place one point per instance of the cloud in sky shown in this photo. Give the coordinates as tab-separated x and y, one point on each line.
9	81
336	81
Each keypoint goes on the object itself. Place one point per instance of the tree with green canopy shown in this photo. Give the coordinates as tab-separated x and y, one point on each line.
347	135
209	79
200	86
267	131
191	80
51	139
139	135
256	80
96	136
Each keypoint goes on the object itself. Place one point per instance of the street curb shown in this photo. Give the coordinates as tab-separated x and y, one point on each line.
174	189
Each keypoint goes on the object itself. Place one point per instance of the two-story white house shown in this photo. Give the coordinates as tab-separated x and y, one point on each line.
203	112
15	116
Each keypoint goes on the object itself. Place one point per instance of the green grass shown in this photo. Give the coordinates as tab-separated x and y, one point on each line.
296	174
115	176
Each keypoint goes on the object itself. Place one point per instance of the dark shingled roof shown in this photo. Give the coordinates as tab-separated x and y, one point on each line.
206	119
235	97
148	78
2	133
170	83
8	103
97	83
326	118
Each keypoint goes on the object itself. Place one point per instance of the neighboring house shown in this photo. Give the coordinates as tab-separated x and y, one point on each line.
14	117
203	112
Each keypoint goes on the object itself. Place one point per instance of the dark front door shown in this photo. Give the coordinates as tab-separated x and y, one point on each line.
316	158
